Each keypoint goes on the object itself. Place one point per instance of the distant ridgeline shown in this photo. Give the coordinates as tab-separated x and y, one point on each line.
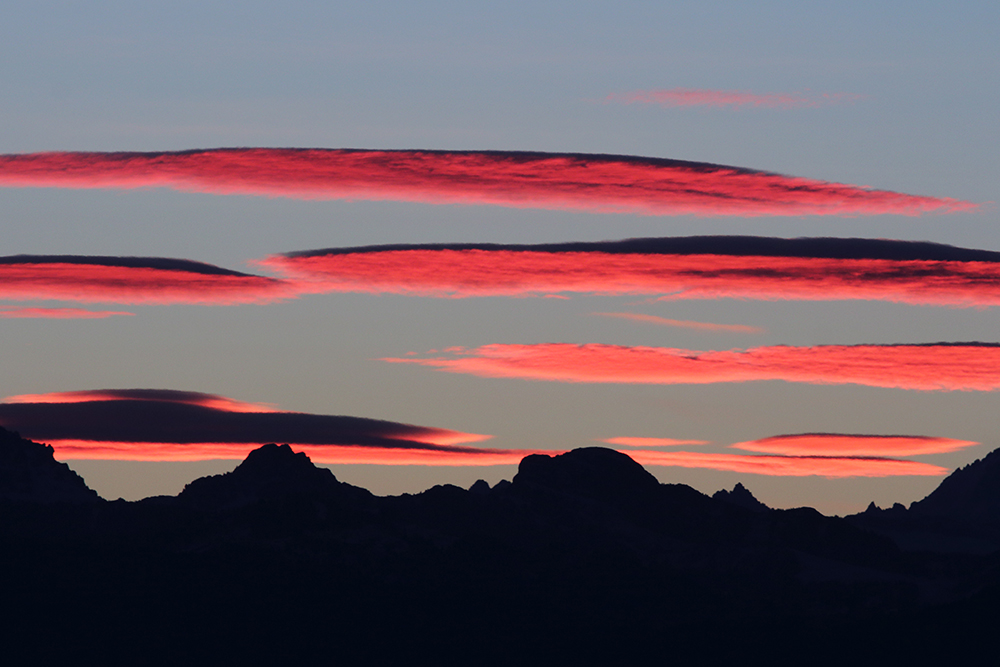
582	557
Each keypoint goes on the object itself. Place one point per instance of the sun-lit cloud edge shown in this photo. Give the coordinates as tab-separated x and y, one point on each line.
930	367
842	444
830	467
629	441
134	280
563	181
84	450
157	424
213	401
602	269
19	312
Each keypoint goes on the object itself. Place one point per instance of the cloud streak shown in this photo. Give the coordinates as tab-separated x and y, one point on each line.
934	367
15	312
840	444
652	442
570	181
163	425
832	467
695	267
700	97
684	324
133	280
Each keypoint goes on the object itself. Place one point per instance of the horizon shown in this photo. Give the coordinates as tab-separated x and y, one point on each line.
554	228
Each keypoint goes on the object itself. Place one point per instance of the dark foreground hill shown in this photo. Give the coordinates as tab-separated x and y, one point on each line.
581	558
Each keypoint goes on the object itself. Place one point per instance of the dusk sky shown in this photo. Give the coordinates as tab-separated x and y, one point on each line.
429	286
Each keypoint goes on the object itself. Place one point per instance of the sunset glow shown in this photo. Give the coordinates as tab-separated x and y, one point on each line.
15	312
132	280
571	181
964	366
839	444
905	273
652	442
166	425
789	466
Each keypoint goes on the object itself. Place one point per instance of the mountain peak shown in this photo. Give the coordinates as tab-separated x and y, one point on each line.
30	473
598	473
269	470
741	496
970	493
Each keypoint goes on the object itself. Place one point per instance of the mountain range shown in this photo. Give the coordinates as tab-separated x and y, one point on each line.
581	557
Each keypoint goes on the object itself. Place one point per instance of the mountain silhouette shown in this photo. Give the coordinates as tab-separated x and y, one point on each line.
29	473
582	557
271	471
742	497
970	494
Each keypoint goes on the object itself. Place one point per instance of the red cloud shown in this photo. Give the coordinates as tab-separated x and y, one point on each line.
688	97
133	280
966	366
164	425
73	450
788	466
652	442
838	444
523	271
11	312
574	181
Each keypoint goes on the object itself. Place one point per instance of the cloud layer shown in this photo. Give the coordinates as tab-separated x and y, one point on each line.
789	466
941	366
573	181
839	444
162	425
626	441
700	97
16	312
696	267
132	280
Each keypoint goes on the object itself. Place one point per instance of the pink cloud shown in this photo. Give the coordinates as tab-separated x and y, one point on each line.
572	181
839	444
789	466
942	366
689	97
922	274
133	280
652	442
14	312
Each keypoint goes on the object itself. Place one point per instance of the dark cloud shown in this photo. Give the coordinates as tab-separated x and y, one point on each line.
150	424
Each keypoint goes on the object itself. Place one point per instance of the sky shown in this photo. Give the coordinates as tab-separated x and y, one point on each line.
448	295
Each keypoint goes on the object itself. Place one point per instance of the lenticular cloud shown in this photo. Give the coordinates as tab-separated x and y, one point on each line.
132	280
942	366
695	267
15	312
841	444
790	466
572	181
164	425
